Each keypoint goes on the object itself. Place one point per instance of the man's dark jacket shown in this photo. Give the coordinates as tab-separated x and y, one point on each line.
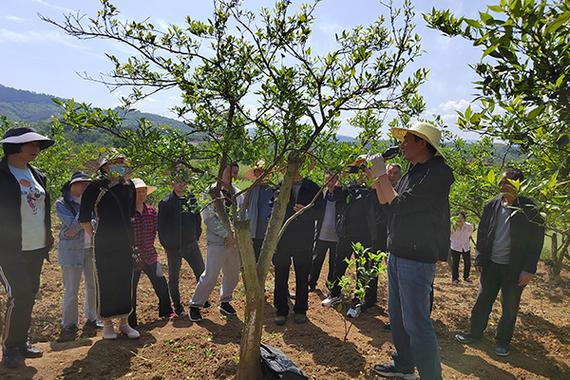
10	214
300	233
418	218
526	230
171	232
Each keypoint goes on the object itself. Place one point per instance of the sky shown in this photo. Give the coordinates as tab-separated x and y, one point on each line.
38	57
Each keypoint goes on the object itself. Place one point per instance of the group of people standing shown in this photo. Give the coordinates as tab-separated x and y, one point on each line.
108	232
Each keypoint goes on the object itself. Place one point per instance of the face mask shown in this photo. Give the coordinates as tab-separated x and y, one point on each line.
118	170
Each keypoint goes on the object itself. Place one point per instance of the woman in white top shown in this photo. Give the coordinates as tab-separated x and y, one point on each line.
460	247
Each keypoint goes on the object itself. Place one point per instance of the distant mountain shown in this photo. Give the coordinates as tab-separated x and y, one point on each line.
31	107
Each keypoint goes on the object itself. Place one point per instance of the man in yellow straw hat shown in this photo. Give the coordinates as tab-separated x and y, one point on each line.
418	236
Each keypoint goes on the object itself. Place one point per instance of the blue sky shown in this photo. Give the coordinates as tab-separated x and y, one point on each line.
38	57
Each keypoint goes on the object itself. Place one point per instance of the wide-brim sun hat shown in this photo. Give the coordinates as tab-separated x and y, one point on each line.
426	131
25	135
107	156
250	174
139	183
79	177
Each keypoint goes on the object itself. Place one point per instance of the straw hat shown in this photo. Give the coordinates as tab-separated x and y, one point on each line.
109	155
26	135
250	174
139	183
424	130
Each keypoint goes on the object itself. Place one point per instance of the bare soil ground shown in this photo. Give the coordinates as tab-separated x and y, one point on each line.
181	349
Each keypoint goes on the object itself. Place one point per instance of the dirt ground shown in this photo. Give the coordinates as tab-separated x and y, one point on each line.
181	349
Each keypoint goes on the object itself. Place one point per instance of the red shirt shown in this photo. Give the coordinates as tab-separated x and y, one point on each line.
145	226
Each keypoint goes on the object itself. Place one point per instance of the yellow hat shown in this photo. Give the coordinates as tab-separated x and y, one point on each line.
139	183
260	165
426	131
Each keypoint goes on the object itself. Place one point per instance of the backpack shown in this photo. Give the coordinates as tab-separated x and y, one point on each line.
275	365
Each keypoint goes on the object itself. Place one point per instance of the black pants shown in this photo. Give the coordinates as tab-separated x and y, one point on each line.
344	251
257	247
497	277
190	253
156	277
319	254
302	263
20	276
455	258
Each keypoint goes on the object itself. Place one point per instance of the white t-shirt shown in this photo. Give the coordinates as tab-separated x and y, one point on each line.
460	238
32	209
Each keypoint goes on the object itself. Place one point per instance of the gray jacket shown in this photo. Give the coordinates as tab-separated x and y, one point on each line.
71	250
216	233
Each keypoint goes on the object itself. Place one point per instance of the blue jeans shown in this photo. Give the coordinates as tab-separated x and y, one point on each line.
409	288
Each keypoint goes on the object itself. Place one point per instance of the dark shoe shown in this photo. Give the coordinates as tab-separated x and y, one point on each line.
194	314
96	324
387	327
207	304
300	318
312	289
179	311
455	282
468	281
390	370
227	309
12	361
292	295
466	338
502	350
67	333
280	320
29	351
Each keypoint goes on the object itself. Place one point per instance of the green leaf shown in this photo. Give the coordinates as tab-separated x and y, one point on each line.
495	8
474	23
557	23
490	50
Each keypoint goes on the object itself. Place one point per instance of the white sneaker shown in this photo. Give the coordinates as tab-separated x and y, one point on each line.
129	331
354	312
331	301
109	332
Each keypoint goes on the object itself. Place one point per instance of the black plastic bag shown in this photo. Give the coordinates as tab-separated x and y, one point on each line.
276	365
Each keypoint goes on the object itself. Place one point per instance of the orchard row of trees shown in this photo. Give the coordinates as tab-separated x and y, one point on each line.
238	57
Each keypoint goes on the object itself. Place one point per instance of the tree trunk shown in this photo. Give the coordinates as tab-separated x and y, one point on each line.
249	357
555	261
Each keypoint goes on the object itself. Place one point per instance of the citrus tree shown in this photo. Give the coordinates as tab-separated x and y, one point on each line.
524	97
224	65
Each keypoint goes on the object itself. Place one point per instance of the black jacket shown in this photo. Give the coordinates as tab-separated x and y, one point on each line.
527	235
172	232
10	216
419	218
300	233
370	224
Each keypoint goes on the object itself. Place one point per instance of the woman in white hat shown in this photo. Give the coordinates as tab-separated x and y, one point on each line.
145	225
112	199
25	234
75	255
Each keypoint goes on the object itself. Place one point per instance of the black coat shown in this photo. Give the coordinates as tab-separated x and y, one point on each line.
10	216
300	233
170	231
526	230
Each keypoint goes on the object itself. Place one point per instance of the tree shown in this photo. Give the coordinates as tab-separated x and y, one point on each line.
524	97
238	58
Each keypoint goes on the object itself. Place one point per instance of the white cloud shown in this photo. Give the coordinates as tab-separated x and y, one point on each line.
32	36
15	19
453	105
54	6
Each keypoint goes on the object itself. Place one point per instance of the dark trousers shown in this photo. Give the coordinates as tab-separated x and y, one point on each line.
497	277
257	243
344	251
156	277
190	253
302	258
455	258
20	276
321	249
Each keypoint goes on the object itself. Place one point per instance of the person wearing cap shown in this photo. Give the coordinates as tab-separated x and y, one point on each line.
112	199
179	230
418	219
145	225
75	256
25	236
259	208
